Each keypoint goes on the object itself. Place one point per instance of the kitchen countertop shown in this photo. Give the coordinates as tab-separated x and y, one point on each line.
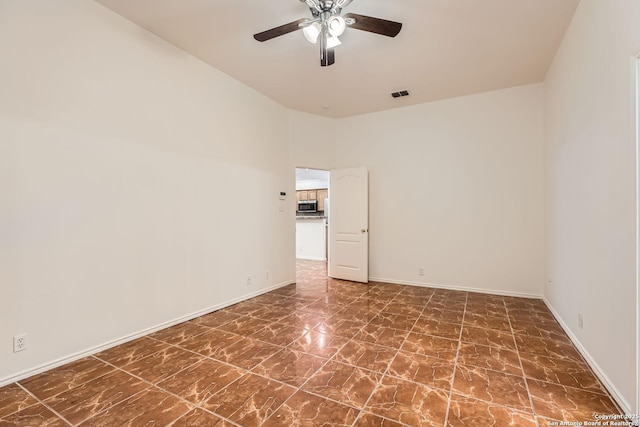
309	217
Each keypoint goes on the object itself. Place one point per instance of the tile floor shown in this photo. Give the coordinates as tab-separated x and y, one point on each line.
329	353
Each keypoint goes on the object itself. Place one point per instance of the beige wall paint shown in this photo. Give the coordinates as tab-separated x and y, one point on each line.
456	187
312	141
125	170
590	187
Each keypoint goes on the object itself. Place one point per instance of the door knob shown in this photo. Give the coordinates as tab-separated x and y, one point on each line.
364	230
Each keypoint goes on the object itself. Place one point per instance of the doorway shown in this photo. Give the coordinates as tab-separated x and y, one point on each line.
312	218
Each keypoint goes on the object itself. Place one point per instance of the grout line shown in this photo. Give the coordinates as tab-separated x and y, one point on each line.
524	376
455	362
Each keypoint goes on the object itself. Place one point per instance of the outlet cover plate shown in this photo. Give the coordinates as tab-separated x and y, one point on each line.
19	343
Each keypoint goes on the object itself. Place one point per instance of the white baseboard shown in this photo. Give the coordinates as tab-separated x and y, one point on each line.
96	349
611	388
456	288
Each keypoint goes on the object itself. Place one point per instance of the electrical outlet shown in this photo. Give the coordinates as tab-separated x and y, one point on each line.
248	280
19	343
421	271
580	322
266	275
549	282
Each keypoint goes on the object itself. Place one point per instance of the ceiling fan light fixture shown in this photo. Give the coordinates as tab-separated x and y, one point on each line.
333	42
311	32
336	25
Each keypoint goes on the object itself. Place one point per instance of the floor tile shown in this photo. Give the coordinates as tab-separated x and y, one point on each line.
247	353
468	412
162	364
358	314
340	326
566	403
210	344
430	345
151	407
291	367
179	333
199	418
418	300
487	309
65	377
428	326
395	321
403	308
279	334
500	323
443	315
494	358
270	299
303	319
381	335
307	410
426	370
245	325
271	313
202	380
245	308
560	371
370	420
491	386
217	318
547	347
409	403
366	355
490	337
346	384
454	305
321	307
34	415
13	399
132	351
85	401
250	400
540	330
319	344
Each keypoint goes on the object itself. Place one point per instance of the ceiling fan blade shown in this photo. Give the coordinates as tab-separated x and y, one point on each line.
279	31
374	25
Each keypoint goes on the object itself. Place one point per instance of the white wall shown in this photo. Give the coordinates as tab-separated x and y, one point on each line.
125	165
590	162
456	187
312	141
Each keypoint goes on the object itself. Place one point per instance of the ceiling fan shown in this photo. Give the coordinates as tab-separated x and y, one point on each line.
328	24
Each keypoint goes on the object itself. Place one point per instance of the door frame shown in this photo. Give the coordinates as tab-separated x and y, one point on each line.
295	212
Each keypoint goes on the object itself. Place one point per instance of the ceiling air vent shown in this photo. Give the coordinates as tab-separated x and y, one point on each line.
400	94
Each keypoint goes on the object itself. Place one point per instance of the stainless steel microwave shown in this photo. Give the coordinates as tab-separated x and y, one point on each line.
308	206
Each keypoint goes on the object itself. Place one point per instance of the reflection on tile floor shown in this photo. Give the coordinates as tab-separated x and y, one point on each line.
327	352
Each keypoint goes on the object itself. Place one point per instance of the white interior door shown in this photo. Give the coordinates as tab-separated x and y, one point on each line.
349	224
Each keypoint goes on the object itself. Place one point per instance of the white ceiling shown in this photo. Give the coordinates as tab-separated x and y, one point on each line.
446	48
310	179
